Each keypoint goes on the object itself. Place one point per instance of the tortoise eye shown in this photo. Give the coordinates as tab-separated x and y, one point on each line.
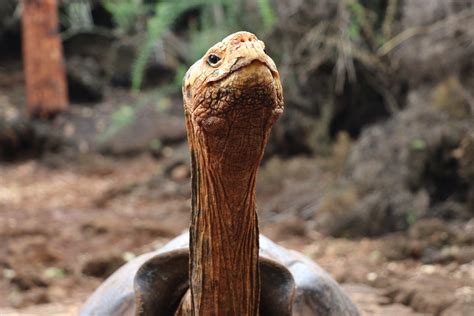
213	59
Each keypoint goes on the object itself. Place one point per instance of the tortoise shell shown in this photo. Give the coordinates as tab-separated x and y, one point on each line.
156	282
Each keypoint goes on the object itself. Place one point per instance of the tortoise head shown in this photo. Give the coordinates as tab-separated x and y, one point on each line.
222	66
232	96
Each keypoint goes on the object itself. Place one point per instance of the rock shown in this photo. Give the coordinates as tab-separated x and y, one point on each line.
289	187
22	138
465	154
368	215
286	229
445	45
15	137
123	56
459	308
430	240
102	266
404	170
33	297
435	256
373	302
87	53
85	82
449	97
10	29
160	68
332	217
427	292
90	44
7	10
466	233
180	172
175	155
151	127
434	230
464	255
28	281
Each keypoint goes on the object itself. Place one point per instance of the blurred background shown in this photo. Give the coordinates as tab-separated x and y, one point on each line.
370	171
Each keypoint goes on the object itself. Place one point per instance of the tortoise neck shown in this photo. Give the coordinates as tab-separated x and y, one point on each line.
224	233
224	243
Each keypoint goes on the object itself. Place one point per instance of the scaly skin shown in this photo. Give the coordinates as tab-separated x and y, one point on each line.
230	106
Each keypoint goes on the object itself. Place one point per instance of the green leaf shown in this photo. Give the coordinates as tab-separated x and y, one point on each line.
119	119
354	31
418	144
166	13
210	28
411	217
128	256
54	272
267	14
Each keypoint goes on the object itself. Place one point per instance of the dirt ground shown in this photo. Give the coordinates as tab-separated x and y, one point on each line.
68	221
66	225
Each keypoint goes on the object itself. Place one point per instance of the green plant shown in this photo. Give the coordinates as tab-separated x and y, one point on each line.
411	217
54	272
418	144
119	119
356	20
76	15
166	12
126	13
217	18
267	14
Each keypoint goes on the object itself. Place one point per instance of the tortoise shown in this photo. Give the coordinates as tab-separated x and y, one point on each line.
232	96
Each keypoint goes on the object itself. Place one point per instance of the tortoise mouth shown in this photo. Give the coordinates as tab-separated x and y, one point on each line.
252	74
241	63
255	63
246	76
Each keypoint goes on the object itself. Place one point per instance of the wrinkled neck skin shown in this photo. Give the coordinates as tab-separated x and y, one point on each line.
224	239
225	154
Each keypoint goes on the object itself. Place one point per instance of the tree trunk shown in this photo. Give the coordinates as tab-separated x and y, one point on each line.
46	90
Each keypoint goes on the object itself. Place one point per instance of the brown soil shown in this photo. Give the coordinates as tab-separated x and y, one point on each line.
66	225
67	222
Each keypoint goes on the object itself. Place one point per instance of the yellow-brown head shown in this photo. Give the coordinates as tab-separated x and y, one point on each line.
232	96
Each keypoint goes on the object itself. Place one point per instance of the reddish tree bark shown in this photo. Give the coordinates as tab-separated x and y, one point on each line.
46	89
